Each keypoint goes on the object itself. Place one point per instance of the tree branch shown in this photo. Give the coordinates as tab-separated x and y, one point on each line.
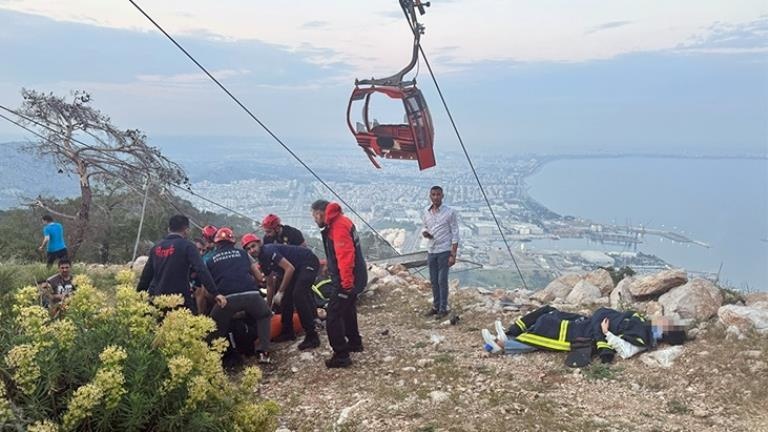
39	203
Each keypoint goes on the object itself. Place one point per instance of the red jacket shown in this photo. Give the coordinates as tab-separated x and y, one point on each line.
346	264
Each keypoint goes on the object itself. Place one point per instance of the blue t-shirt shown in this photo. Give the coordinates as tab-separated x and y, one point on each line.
55	234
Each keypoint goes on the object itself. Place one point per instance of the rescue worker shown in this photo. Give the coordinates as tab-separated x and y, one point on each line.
276	232
607	331
297	267
168	268
349	276
235	276
209	231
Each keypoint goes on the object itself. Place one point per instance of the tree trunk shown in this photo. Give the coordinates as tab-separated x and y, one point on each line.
83	216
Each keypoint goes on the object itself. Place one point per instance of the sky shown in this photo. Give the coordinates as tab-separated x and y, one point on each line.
552	76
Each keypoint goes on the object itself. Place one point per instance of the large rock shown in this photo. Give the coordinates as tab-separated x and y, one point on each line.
657	284
601	278
759	297
583	293
699	299
138	265
557	289
376	272
620	297
744	318
663	358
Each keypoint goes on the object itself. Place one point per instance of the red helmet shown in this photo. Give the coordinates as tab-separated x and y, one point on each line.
270	221
249	238
224	234
209	231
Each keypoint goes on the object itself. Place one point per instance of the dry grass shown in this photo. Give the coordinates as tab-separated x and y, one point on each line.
710	388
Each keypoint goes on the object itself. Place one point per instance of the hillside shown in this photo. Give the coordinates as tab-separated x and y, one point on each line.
417	374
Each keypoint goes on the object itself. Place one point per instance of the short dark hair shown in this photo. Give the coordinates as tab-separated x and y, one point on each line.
320	205
64	261
436	188
178	223
47	218
674	337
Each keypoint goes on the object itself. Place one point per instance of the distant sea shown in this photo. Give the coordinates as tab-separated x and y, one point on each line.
722	202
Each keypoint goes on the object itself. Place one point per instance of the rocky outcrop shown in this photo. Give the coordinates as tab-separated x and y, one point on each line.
753	298
620	296
602	279
657	284
699	299
745	318
583	293
558	289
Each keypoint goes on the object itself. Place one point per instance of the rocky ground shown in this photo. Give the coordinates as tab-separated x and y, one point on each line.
419	374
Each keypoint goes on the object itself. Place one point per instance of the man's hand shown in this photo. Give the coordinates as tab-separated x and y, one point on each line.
221	301
604	325
40	248
451	260
277	298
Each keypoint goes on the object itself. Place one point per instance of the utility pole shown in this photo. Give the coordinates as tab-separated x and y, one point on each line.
141	221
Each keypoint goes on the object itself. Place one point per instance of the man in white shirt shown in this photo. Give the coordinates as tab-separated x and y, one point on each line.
441	227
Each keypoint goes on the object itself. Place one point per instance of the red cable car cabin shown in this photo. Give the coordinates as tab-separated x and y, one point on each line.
411	141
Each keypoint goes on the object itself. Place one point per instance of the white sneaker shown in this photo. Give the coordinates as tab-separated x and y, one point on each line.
490	342
501	332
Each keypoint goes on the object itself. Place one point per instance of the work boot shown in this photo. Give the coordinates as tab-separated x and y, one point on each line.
338	362
431	312
310	341
356	348
285	337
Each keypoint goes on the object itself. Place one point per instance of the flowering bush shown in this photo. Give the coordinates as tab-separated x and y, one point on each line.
118	362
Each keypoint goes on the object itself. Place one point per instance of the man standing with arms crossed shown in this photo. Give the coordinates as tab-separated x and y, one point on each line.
349	275
441	227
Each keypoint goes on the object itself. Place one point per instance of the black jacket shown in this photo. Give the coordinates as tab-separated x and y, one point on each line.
168	267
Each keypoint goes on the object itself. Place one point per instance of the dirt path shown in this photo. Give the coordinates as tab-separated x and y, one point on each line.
417	374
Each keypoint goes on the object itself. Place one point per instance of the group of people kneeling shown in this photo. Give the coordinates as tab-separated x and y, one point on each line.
227	283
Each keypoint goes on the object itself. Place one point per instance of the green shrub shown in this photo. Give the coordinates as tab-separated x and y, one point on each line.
117	362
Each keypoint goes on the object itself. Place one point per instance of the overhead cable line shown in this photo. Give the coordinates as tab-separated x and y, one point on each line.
260	123
184	188
464	148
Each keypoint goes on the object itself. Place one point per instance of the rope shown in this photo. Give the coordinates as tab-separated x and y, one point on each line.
260	123
464	148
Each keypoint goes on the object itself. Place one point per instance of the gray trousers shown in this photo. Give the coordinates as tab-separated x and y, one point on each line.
256	312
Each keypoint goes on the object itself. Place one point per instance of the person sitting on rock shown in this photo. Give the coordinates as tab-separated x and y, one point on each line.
606	332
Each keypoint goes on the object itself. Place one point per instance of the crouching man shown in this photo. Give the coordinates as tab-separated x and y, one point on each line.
235	276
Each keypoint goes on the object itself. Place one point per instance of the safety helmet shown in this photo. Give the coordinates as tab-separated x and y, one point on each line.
209	231
249	238
224	234
270	221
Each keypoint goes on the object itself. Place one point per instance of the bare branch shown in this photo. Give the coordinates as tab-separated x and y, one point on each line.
39	203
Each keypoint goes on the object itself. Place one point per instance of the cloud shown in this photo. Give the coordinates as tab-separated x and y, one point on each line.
190	78
607	26
730	38
315	24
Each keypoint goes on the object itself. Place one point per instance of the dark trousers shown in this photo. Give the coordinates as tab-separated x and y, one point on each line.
256	312
298	294
53	256
341	324
438	276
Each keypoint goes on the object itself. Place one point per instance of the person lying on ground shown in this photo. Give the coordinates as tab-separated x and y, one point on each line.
608	331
